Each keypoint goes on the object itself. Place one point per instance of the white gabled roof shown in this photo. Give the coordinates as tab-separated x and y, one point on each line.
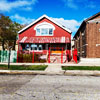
45	16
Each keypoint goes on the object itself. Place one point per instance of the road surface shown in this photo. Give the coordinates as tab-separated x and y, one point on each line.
49	87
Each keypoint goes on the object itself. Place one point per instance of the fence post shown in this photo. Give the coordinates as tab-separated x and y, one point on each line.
17	55
66	56
33	57
62	56
75	55
49	55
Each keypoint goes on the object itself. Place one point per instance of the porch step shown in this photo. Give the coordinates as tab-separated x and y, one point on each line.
57	59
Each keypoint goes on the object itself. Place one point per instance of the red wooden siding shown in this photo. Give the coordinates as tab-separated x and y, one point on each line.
58	32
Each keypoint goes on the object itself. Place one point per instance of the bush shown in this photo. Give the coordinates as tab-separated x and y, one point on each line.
27	57
38	59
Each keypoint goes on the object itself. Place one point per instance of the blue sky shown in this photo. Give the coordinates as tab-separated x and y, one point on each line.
68	12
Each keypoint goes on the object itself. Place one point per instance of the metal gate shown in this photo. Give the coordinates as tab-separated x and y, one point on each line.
55	54
75	55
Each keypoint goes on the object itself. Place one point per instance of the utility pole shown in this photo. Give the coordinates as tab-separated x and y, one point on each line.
9	57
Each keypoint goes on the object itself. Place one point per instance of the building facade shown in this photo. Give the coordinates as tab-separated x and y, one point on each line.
45	34
87	38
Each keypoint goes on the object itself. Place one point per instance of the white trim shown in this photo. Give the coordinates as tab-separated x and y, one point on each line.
24	38
37	50
83	51
44	34
62	39
83	45
47	18
44	23
97	45
82	34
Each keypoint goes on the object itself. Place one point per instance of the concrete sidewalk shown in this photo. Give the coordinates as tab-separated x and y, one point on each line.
52	69
54	64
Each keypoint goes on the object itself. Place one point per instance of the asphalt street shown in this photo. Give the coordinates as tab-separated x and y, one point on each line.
49	87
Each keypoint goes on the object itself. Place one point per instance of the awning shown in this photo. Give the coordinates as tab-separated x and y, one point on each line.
44	40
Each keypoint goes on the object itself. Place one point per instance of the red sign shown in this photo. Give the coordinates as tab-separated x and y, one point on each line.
44	40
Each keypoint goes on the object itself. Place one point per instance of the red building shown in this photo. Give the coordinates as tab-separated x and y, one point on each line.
45	36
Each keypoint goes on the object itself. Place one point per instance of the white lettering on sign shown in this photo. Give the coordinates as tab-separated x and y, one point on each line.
45	40
63	40
23	39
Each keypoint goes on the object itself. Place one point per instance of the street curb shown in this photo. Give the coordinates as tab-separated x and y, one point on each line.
81	73
28	72
18	72
66	73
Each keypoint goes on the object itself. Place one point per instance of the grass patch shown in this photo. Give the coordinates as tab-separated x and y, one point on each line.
23	67
81	67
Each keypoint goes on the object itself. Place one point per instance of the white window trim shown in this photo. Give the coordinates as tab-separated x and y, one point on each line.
37	50
45	34
44	23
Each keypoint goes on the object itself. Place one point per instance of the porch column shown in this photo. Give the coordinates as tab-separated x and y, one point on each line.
66	52
19	47
46	46
66	47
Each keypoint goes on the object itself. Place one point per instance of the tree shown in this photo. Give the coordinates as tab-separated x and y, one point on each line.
14	28
8	32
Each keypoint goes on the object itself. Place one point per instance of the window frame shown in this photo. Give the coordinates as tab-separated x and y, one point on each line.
41	29
36	47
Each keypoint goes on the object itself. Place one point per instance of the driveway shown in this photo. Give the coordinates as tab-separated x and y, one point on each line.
49	87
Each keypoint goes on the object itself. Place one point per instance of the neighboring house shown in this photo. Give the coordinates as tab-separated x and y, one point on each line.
87	38
45	34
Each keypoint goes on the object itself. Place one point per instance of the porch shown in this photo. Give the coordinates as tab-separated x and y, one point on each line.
50	52
48	48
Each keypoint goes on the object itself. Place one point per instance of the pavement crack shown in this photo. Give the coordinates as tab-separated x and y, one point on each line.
56	88
19	94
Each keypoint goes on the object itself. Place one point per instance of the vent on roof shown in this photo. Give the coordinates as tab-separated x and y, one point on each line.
63	26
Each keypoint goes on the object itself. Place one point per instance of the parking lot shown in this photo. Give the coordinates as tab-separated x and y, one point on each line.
49	87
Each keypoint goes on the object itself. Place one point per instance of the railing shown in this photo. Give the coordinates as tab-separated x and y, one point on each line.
31	57
61	57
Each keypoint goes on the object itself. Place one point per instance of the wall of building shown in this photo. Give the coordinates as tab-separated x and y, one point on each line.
80	42
93	40
87	40
58	32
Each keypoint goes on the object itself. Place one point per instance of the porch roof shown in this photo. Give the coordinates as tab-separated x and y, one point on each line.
44	40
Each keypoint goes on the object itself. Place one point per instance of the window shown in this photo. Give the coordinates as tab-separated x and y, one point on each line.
40	47
50	31
38	31
44	31
27	47
36	47
33	47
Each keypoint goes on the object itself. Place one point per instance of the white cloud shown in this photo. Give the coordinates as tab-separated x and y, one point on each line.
21	20
71	24
70	4
91	5
75	4
27	8
7	6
